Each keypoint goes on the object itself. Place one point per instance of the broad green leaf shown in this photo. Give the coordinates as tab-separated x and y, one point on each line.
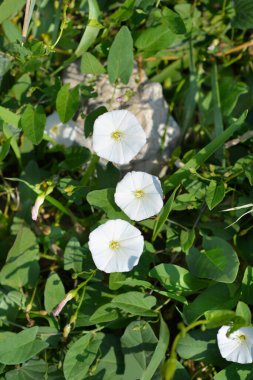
159	353
164	214
76	156
175	179
176	279
217	318
120	58
90	120
243	14
34	369
10	8
9	117
230	90
33	122
21	347
124	12
105	313
104	200
91	65
136	303
174	21
54	292
138	345
198	345
67	102
74	255
81	355
235	371
187	238
216	261
243	311
214	194
155	38
21	267
216	297
110	365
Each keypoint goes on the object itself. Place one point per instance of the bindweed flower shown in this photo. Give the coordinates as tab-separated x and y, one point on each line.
238	346
139	195
63	134
118	136
39	202
116	246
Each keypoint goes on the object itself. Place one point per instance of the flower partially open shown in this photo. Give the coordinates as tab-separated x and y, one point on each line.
39	202
139	195
62	134
238	346
116	246
118	136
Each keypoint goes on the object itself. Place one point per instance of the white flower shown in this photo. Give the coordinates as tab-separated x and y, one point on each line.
116	246
238	346
63	134
35	209
118	136
139	195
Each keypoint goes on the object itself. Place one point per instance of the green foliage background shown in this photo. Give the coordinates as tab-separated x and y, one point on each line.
160	320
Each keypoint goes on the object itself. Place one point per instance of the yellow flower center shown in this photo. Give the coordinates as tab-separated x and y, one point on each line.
114	245
139	193
55	128
242	337
116	135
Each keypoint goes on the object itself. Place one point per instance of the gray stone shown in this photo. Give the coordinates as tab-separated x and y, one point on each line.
146	101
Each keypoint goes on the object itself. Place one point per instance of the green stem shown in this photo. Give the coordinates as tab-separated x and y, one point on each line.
90	170
183	331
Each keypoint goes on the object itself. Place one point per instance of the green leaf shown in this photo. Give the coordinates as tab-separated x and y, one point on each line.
54	292
214	194
21	267
67	102
91	65
105	313
21	347
174	21
216	297
138	345
9	117
176	279
120	58
33	122
187	238
217	261
34	369
81	355
230	90
90	120
124	12
155	38
104	200
243	14
198	345
217	318
159	353
10	8
110	365
247	286
76	156
136	303
164	214
235	371
243	311
74	255
175	179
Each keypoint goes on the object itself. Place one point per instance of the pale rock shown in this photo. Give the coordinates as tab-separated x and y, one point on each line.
146	101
